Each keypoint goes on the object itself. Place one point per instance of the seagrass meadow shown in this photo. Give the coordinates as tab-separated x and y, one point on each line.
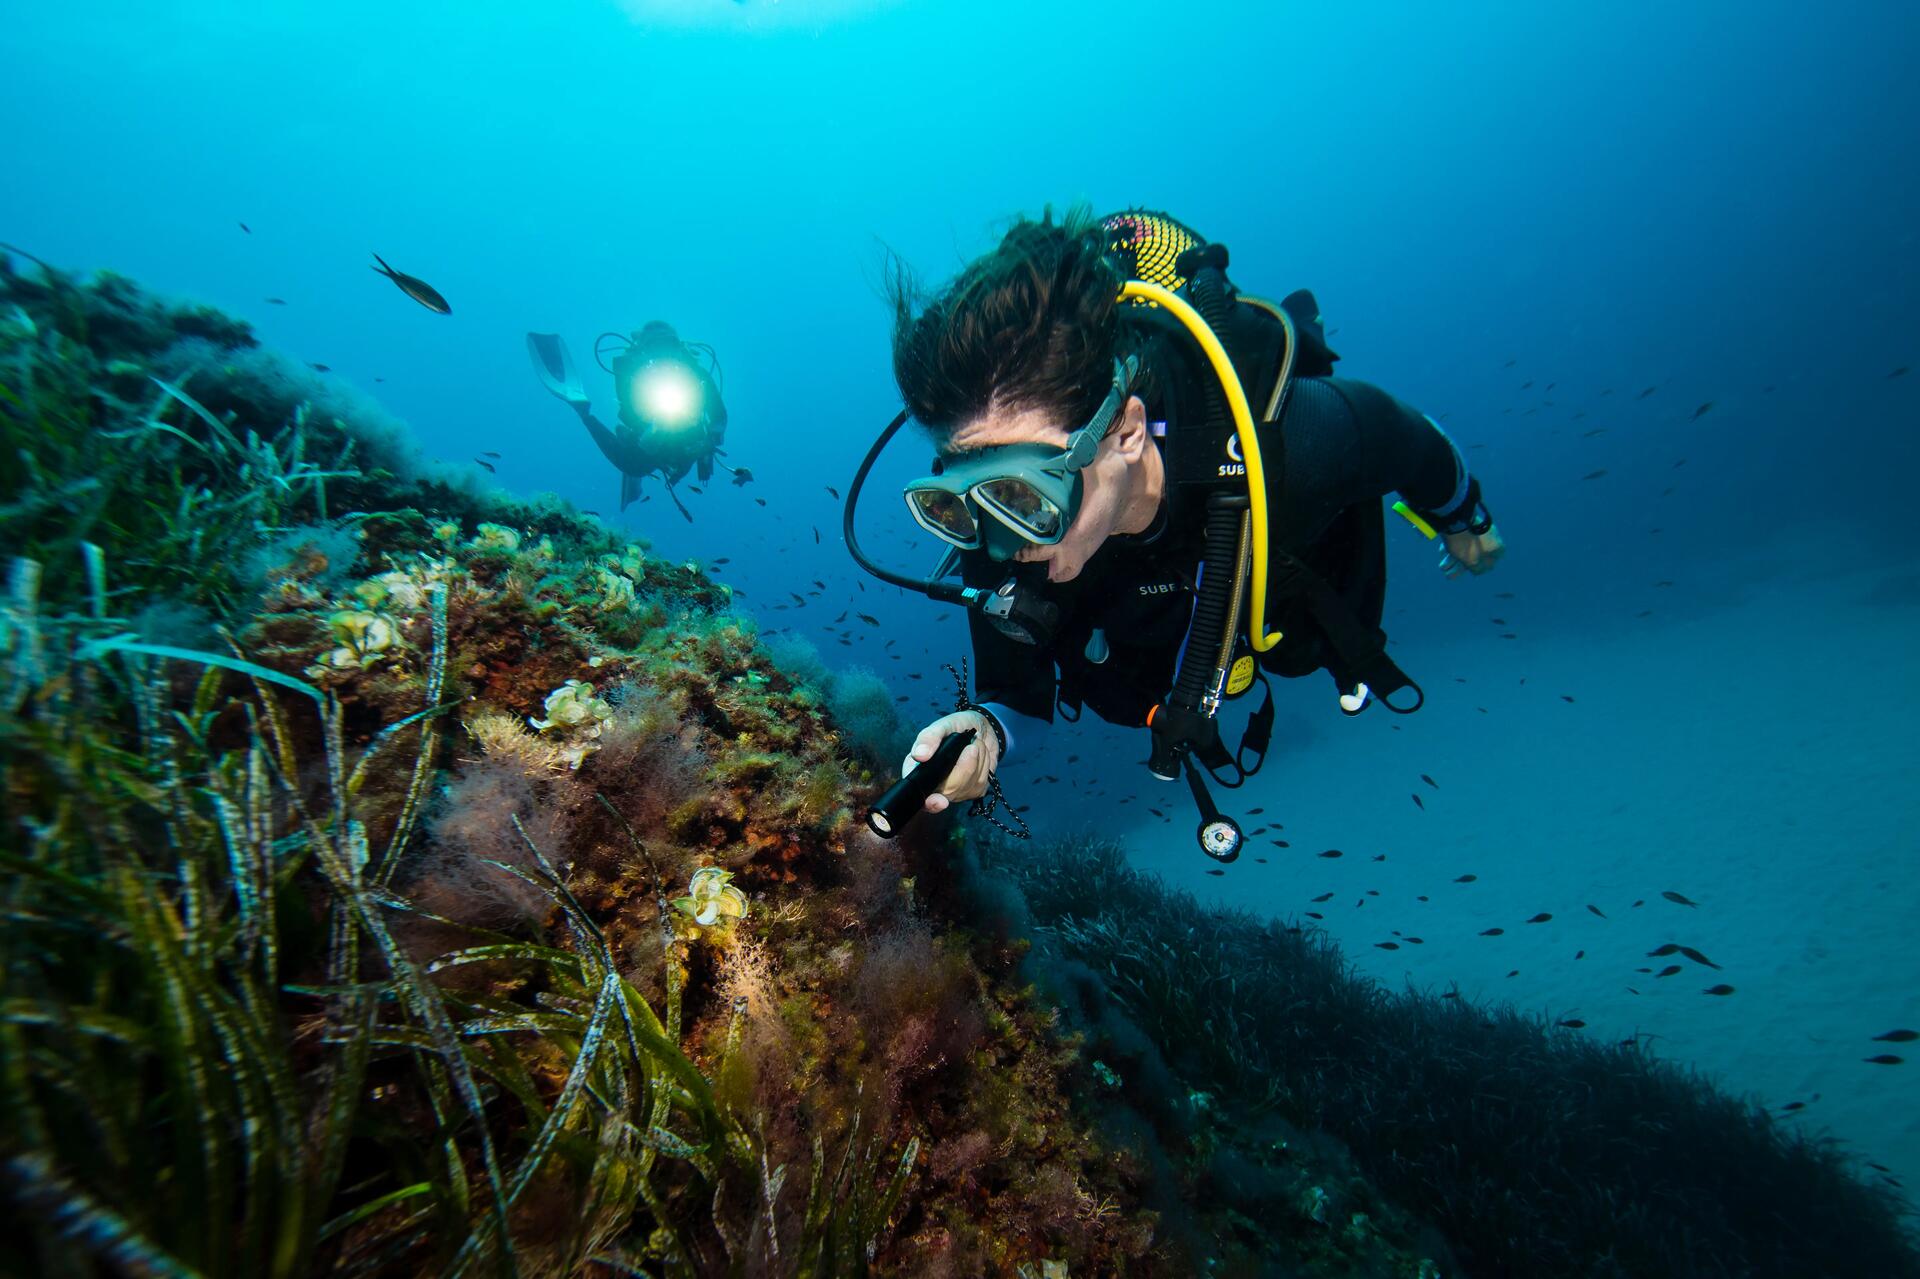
403	877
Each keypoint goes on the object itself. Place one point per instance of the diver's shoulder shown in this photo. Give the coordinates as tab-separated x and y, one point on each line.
1361	398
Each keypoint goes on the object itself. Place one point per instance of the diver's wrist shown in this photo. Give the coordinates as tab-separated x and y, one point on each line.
999	732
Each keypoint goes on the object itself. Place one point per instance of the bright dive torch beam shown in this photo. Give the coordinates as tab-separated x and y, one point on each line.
667	394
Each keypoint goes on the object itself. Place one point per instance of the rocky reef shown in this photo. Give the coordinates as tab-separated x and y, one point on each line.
404	877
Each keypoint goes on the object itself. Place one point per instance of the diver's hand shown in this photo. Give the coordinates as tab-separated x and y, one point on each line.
1474	553
968	780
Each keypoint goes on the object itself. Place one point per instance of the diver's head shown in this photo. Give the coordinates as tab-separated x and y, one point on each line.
1025	348
655	335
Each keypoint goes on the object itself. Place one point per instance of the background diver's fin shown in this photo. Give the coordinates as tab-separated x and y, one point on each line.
554	367
629	489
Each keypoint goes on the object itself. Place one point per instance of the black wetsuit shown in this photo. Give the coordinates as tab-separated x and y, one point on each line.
1341	445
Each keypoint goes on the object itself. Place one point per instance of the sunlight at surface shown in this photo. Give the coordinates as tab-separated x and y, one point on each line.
749	15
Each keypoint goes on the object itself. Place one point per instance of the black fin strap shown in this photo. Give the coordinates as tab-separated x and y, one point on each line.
984	806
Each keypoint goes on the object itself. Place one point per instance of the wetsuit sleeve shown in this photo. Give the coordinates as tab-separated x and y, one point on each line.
1349	442
1397	450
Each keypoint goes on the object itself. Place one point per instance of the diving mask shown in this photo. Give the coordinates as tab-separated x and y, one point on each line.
1032	491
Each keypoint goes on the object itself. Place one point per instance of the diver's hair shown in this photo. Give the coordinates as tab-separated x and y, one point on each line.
1033	324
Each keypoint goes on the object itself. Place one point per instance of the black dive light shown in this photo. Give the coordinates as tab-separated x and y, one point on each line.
908	797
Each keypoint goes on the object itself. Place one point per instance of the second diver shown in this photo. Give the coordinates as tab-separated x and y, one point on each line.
671	418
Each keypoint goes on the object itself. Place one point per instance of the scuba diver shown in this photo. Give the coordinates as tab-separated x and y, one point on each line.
671	415
1127	533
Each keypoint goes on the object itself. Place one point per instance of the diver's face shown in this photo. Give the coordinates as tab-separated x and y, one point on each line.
1106	484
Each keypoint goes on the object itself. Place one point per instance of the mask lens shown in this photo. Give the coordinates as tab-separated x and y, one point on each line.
1026	506
946	514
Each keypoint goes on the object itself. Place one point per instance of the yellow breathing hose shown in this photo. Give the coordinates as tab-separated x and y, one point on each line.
1180	309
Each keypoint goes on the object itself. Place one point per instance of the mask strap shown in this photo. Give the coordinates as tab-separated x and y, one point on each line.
1086	441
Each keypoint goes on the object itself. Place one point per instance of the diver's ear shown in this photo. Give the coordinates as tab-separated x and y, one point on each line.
1129	431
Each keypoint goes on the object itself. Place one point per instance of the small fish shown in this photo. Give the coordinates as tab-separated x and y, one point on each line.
1721	989
1697	957
1677	899
1331	852
760	501
742	477
1216	872
1574	1023
717	563
1902	371
1668	971
1156	812
1429	781
319	368
843	617
1465	879
1261	860
419	290
1644	394
868	618
1314	914
1387	945
1898	1037
1492	932
1566	699
1794	1105
1251	812
1419	803
695	488
1594	475
483	462
816	537
1884	1059
1702	411
244	227
495	455
1541	918
1281	843
276	301
1329	897
833	492
817	582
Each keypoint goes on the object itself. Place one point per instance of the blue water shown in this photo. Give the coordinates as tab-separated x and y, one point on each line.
1715	202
